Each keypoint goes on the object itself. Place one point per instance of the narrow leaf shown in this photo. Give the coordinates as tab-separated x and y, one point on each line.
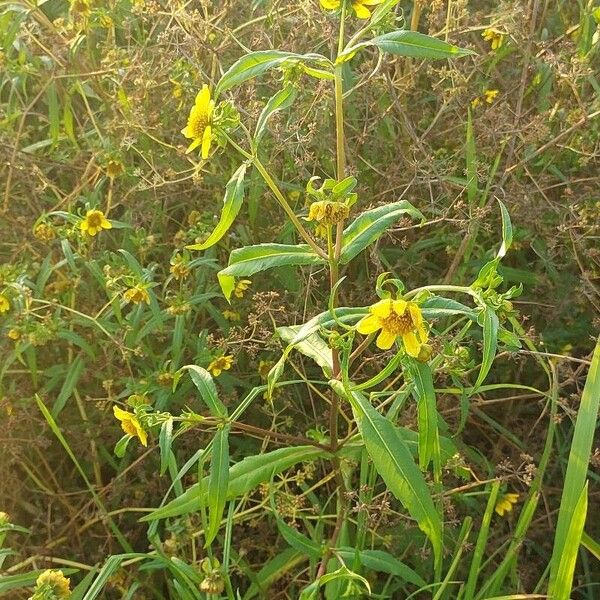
280	101
208	390
218	482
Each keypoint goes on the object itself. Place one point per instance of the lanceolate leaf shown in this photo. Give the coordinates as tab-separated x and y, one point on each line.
281	100
218	482
232	202
371	224
208	391
244	262
490	326
244	477
417	45
314	346
393	461
256	63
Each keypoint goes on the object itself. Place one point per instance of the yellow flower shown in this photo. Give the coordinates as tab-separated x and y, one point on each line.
359	6
137	295
231	315
395	318
44	232
505	503
94	222
264	366
130	425
223	363
240	287
4	304
114	168
179	270
55	583
490	95
14	334
475	102
495	38
199	128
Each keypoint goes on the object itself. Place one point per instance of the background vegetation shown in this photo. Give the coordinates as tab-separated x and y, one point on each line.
93	98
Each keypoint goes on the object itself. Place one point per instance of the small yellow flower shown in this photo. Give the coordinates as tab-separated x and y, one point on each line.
359	6
475	102
14	334
179	270
114	168
495	38
94	222
395	318
53	582
327	212
44	232
199	125
217	366
4	304
490	95
240	287
505	503
136	295
130	425
231	315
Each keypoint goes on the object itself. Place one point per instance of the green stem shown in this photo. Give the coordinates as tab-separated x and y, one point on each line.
280	198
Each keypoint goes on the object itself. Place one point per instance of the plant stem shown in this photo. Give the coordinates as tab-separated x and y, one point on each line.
280	198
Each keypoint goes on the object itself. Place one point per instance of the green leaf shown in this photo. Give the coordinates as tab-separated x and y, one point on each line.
417	45
507	233
383	562
577	467
244	477
380	12
273	570
232	202
53	111
257	63
297	540
437	307
429	439
218	482
313	346
490	326
562	585
164	443
249	260
280	101
371	224
73	375
393	461
208	390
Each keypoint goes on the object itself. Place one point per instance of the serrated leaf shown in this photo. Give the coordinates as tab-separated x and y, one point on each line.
232	202
371	224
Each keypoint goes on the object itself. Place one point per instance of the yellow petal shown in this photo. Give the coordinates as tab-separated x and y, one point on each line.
206	140
84	225
411	344
416	314
202	100
386	339
400	306
368	324
382	309
193	145
92	231
187	132
105	223
141	434
121	414
330	4
423	335
209	110
362	12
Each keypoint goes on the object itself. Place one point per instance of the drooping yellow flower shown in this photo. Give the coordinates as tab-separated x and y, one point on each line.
136	295
231	315
52	582
490	95
240	287
326	212
217	366
495	38
505	503
475	102
395	318
94	222
199	125
4	304
359	6
131	425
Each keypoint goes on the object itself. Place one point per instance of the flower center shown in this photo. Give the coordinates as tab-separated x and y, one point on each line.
398	324
94	219
199	125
